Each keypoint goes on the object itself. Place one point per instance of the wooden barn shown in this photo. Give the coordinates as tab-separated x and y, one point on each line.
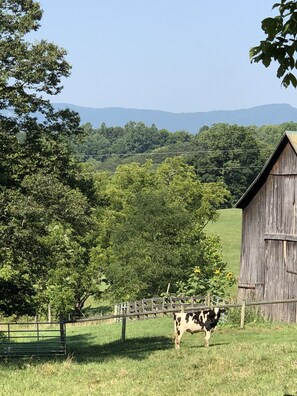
268	269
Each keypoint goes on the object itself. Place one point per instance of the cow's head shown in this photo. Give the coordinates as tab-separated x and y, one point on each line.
218	311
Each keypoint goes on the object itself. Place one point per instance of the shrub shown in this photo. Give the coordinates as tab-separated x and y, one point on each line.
210	275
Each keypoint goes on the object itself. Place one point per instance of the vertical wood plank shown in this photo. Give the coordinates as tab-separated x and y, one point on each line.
242	314
124	324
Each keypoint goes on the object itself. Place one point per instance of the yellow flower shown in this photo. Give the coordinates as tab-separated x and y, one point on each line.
197	270
229	275
217	271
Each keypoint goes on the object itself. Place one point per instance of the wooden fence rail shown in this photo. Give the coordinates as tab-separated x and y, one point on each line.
23	339
158	304
186	307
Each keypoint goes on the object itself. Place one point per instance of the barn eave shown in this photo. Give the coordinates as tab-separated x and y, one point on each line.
289	136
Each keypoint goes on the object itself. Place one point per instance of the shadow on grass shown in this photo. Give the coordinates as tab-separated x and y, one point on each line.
83	350
210	345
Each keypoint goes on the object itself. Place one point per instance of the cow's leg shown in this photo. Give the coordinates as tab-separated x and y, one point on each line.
207	337
177	337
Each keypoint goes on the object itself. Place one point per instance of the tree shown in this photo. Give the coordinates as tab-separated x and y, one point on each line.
280	43
71	279
229	154
42	192
152	229
29	70
46	234
16	297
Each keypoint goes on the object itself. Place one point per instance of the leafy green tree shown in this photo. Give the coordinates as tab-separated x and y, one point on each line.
41	184
46	232
268	136
70	280
16	297
111	146
151	231
229	154
280	44
29	70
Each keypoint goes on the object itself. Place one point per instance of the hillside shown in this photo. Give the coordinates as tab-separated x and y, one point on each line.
228	227
191	122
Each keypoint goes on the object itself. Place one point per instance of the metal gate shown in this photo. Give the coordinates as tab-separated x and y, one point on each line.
32	339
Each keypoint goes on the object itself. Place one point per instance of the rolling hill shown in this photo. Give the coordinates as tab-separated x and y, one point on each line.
272	114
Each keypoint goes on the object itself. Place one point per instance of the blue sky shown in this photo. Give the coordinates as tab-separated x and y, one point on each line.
171	55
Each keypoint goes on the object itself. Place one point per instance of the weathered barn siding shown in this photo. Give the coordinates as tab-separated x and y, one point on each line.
269	240
252	248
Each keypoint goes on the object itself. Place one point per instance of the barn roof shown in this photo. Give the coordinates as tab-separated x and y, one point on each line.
288	136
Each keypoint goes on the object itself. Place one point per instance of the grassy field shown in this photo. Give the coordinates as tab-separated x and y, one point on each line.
259	360
229	228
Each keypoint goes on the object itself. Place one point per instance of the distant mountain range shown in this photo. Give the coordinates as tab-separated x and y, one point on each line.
116	116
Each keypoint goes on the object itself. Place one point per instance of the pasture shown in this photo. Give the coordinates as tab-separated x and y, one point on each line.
228	227
259	360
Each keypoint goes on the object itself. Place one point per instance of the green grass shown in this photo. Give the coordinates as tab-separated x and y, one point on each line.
259	360
229	229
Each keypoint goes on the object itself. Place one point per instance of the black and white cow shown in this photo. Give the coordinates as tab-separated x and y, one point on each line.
194	322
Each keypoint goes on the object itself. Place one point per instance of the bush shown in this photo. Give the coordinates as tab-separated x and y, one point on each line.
209	276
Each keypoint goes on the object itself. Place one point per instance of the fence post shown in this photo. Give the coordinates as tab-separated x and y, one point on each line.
63	335
49	313
208	299
116	311
242	314
124	321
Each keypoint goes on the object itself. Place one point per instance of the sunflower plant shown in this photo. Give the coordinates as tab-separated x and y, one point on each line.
210	275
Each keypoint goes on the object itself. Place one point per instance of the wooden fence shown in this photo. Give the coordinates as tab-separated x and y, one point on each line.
161	305
44	338
187	306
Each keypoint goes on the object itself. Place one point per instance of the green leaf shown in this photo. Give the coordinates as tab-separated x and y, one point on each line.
266	60
293	80
269	25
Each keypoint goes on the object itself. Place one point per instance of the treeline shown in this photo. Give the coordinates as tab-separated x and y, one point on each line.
225	153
